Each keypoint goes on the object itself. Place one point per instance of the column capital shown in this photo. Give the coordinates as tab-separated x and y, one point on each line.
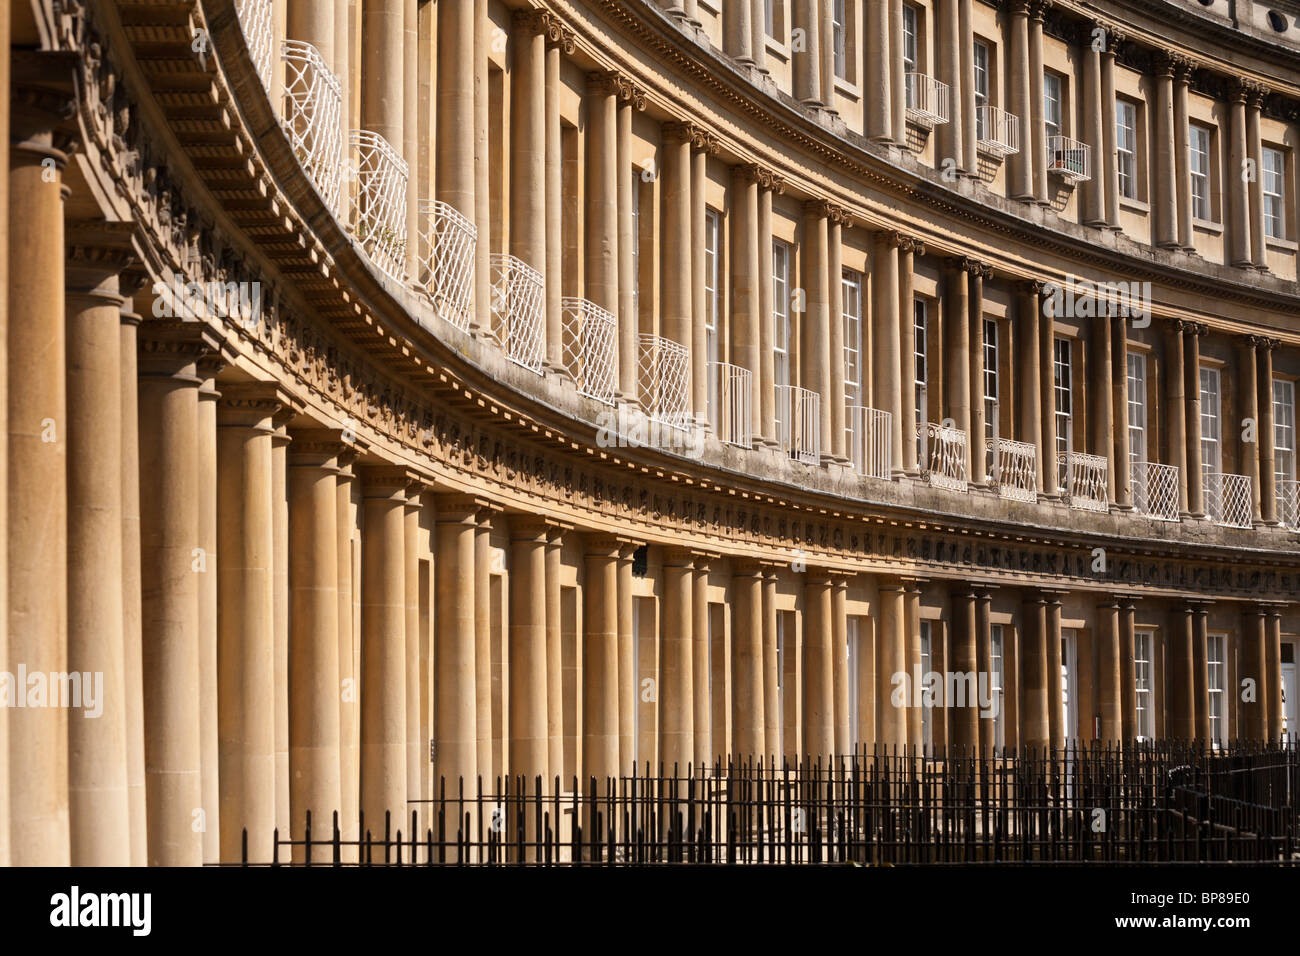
760	176
678	557
455	508
319	446
559	34
825	209
976	268
1168	64
699	138
96	252
890	238
1018	8
618	85
42	119
1038	9
534	528
748	568
174	347
1034	287
1244	90
252	404
1114	38
911	244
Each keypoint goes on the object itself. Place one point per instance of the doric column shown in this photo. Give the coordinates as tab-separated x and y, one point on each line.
912	655
528	220
1201	673
1101	398
908	250
836	444
978	464
702	673
383	648
885	354
529	739
1055	717
1176	409
315	781
879	70
1127	671
1267	474
947	47
246	619
1034	698
984	668
1254	664
807	62
168	401
349	653
1249	452
963	719
209	601
818	668
1038	128
416	757
764	402
1114	39
1092	207
1273	672
816	353
1121	466
558	39
747	703
1180	697
628	684
96	747
383	74
554	658
455	140
601	196
773	715
1029	426
1192	390
1235	180
1047	394
891	621
483	644
1107	681
957	349
280	603
738	31
1020	171
676	710
678	314
1182	156
969	161
1254	147
839	663
630	99
37	476
747	349
895	85
1164	167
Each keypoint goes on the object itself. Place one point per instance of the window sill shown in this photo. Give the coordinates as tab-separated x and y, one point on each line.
1207	225
777	49
1286	245
714	8
851	90
1134	205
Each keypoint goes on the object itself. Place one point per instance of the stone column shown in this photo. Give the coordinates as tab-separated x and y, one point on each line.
1267	459
1253	720
966	115
315	782
977	466
906	426
963	719
629	689
1176	409
246	620
984	667
816	352
892	654
676	686
886	346
912	655
1273	662
1101	397
455	140
630	98
528	213
558	39
97	782
410	145
1030	408
896	89
818	668
764	377
313	22
4	431
1164	168
1047	395
1180	696
349	646
1238	225
554	659
747	703
947	48
807	63
738	31
836	444
1201	674
209	602
1034	732
1020	172
1255	186
529	737
417	761
383	74
1121	466
879	69
1127	669
1092	205
839	663
455	662
1182	156
1055	718
1038	128
678	317
168	399
1114	39
383	649
773	715
600	661
280	596
37	479
1108	684
1192	390
747	349
698	399
1249	452
957	349
702	672
601	196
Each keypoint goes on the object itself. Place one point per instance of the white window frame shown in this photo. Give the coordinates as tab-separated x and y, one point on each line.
1216	674
991	382
1063	397
636	244
780	317
911	63
1211	421
839	38
712	305
1137	407
920	353
851	651
851	292
981	85
1126	147
1284	415
1274	192
997	682
926	653
1053	112
1143	671
1199	144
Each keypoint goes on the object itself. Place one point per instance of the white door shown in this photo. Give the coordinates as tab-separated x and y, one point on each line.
1290	693
1069	695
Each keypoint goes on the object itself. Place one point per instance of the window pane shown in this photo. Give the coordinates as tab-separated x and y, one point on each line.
1137	407
1126	148
1210	461
1284	458
1052	103
1199	145
909	39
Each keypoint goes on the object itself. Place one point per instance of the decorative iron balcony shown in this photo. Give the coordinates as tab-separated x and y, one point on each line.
1288	503
255	19
1014	469
1155	490
927	100
731	397
799	423
448	239
312	104
1084	480
590	348
943	455
997	131
870	448
1228	499
519	311
665	380
1069	158
380	212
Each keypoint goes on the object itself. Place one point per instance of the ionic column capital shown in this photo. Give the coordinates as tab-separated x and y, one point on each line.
1169	64
825	209
682	131
1034	287
1038	9
618	85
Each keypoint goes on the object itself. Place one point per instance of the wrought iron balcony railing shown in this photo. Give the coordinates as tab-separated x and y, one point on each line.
665	380
255	19
519	311
590	348
1288	503
943	455
927	100
870	447
1084	479
1155	490
1014	469
311	117
1069	158
1228	499
731	397
997	131
448	239
379	217
799	423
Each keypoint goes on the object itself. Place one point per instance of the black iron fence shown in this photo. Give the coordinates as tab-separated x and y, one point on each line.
1144	803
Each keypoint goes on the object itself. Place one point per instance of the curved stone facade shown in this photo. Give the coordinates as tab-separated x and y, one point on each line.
411	390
